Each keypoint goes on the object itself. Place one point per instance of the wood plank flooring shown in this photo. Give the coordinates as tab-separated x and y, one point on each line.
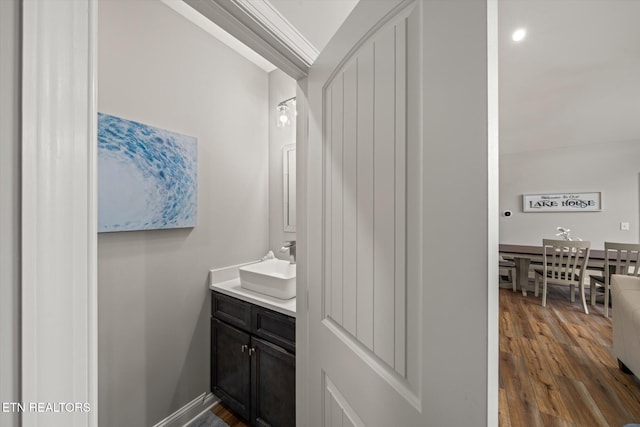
557	366
227	416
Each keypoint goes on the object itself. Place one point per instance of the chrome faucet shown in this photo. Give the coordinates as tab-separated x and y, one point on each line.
291	247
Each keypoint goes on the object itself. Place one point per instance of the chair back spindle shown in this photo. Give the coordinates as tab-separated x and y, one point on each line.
621	258
565	261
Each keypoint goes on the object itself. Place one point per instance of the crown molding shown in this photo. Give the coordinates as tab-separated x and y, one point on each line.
268	16
257	24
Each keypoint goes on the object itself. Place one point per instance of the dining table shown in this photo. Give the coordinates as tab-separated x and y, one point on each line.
525	255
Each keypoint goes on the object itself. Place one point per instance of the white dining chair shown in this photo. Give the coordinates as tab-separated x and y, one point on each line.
619	258
564	263
508	269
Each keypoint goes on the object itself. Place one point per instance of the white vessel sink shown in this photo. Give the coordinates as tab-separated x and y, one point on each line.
273	277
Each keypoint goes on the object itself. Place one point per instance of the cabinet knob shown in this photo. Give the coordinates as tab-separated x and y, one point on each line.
252	351
245	347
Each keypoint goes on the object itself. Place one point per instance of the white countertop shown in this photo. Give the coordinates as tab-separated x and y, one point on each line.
232	288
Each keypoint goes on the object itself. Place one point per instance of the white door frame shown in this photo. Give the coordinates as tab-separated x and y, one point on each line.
59	232
59	316
59	208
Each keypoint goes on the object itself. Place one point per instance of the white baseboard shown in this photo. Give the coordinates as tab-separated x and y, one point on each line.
190	411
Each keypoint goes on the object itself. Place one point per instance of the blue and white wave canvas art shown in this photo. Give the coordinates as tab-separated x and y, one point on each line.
147	177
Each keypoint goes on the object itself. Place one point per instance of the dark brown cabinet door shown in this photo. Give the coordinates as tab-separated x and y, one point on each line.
273	391
230	367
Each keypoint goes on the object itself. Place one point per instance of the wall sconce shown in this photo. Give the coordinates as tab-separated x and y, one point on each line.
285	110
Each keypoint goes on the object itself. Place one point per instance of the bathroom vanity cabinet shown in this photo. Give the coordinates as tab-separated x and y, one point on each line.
253	361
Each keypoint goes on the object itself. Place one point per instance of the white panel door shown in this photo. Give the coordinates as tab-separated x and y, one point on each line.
365	155
369	326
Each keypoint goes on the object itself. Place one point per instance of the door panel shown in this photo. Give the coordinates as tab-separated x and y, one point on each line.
364	197
397	103
230	366
365	191
273	387
349	208
338	413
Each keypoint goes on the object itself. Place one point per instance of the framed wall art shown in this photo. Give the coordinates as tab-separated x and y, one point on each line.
147	177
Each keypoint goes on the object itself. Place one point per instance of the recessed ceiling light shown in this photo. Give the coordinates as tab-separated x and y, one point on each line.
519	34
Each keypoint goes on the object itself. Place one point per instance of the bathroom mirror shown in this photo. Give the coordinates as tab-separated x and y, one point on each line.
289	186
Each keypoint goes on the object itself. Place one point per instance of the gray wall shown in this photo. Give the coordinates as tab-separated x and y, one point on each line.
10	83
157	68
281	87
611	168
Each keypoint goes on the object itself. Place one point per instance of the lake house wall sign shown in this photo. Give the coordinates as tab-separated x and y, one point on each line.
562	202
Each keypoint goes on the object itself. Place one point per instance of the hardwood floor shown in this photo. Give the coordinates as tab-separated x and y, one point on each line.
557	366
227	416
